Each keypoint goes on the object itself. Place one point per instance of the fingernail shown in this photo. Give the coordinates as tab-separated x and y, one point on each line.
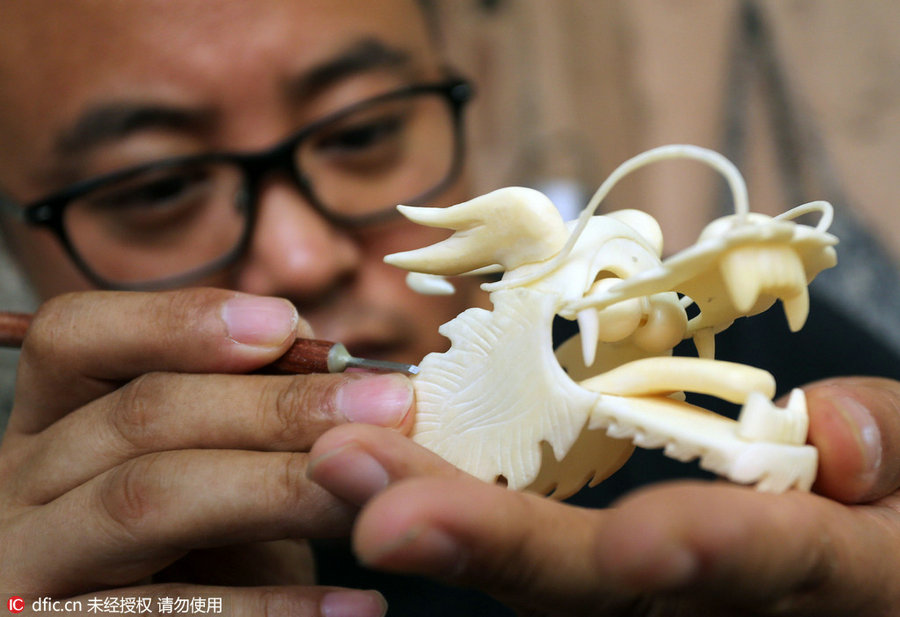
259	321
424	549
353	603
865	430
350	473
383	400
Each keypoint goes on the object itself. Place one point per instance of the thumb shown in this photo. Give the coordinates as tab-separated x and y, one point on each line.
855	424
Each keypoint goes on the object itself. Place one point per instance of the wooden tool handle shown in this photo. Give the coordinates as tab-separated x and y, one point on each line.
12	328
305	356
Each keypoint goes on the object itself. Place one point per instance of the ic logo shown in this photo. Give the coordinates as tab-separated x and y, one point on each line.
15	604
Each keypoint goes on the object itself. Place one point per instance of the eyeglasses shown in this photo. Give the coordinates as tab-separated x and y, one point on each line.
174	221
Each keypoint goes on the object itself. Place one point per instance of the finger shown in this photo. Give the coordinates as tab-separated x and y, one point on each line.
711	550
737	550
164	411
141	516
82	346
171	599
855	424
525	550
354	462
781	549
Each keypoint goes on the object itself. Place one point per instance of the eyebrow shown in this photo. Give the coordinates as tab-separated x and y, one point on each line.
113	121
363	56
108	122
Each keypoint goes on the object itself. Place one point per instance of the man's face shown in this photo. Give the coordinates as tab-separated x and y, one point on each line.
239	76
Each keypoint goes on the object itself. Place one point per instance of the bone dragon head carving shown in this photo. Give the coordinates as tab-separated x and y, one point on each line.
500	403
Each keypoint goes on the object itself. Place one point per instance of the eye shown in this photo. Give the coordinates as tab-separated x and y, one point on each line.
361	136
364	144
153	191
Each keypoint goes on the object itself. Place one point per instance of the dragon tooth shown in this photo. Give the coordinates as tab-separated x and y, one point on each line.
772	271
797	401
588	327
619	431
618	320
797	411
793	275
681	452
796	309
649	440
761	420
705	342
741	273
793	291
429	284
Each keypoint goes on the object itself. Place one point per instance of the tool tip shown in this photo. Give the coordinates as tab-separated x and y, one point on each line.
383	366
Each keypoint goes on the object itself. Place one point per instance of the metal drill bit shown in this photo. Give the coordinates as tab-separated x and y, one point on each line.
339	360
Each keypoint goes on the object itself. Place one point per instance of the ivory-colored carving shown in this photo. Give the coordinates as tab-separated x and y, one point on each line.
500	403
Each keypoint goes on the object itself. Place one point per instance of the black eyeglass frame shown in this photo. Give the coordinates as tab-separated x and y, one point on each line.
49	211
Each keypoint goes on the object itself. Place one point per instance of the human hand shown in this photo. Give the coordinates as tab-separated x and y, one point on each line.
136	438
677	549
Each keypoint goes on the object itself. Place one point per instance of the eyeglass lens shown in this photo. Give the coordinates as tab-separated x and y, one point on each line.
379	157
159	223
170	220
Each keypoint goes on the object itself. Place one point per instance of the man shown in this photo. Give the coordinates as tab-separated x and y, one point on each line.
139	451
122	85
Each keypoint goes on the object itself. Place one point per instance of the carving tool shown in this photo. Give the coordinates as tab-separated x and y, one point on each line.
304	356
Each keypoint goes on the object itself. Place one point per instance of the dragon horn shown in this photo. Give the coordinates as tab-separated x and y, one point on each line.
510	227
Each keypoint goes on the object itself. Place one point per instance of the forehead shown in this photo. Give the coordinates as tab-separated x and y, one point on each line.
48	35
58	57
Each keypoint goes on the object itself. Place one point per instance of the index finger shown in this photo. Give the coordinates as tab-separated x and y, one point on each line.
82	346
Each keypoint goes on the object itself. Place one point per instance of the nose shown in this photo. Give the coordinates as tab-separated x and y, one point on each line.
294	251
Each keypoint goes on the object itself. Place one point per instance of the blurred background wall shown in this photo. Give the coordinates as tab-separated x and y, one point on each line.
574	87
804	95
